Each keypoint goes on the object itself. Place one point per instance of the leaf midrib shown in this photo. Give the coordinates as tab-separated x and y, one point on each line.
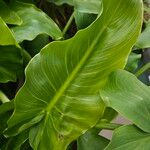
78	67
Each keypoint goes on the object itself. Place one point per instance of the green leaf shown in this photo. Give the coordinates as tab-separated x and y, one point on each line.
129	138
3	121
144	39
83	6
6	107
109	114
128	96
9	16
86	12
83	19
88	6
34	47
10	55
5	113
132	63
35	22
60	2
15	143
92	141
64	79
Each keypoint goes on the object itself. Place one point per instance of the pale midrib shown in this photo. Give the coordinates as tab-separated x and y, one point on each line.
77	68
74	72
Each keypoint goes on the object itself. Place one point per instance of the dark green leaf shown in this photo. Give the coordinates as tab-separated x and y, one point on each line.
6	107
83	20
9	16
133	61
10	55
92	141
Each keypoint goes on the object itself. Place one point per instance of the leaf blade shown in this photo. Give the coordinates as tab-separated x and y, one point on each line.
135	139
124	89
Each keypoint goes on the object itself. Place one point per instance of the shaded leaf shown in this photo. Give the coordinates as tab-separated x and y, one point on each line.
144	39
6	107
129	138
34	47
60	2
35	22
15	143
128	96
10	55
133	61
64	79
92	141
88	6
5	113
83	19
9	16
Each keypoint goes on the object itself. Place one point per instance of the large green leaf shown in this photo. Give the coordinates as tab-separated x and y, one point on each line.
35	22
129	138
61	92
8	15
10	55
144	39
130	97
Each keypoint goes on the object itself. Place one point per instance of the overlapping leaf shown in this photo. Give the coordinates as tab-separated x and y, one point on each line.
129	138
9	16
88	6
35	22
133	61
144	39
10	55
61	94
92	141
84	6
130	97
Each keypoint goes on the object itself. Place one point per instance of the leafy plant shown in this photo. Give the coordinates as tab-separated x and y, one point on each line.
86	57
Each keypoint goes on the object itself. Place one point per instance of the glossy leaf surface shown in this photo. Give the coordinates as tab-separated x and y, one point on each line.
61	92
129	138
35	22
128	96
10	55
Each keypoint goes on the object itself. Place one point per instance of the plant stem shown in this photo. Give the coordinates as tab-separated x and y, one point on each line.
3	97
68	24
108	126
143	69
